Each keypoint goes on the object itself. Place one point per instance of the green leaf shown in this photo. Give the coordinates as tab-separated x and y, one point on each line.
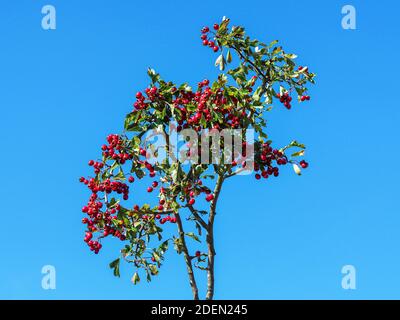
135	278
178	245
193	236
228	56
153	270
256	94
272	43
198	227
119	176
290	56
163	247
115	265
298	153
276	50
139	174
223	25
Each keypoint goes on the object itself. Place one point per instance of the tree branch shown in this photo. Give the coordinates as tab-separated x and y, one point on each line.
210	238
199	219
187	257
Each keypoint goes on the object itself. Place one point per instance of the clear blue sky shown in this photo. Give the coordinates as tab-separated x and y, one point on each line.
63	91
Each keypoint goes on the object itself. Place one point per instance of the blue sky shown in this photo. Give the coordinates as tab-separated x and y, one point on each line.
62	91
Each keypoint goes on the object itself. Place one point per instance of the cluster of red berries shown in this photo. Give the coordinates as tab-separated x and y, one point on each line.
93	244
206	41
168	218
206	100
153	185
108	230
152	94
196	190
95	216
150	168
115	149
94	206
305	70
97	166
107	186
285	98
267	157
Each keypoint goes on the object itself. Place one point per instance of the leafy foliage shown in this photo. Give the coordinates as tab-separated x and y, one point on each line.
254	75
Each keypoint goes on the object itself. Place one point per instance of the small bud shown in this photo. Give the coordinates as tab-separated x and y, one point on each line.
222	65
297	169
218	60
229	56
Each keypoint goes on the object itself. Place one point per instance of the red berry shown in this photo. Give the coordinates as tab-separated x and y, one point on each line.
91	162
131	179
216	26
215	48
154	184
264	174
149	189
210	197
192	201
303	164
257	176
139	95
198	253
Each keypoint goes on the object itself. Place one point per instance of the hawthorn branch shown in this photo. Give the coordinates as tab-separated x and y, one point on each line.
198	217
265	79
256	69
210	238
188	259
